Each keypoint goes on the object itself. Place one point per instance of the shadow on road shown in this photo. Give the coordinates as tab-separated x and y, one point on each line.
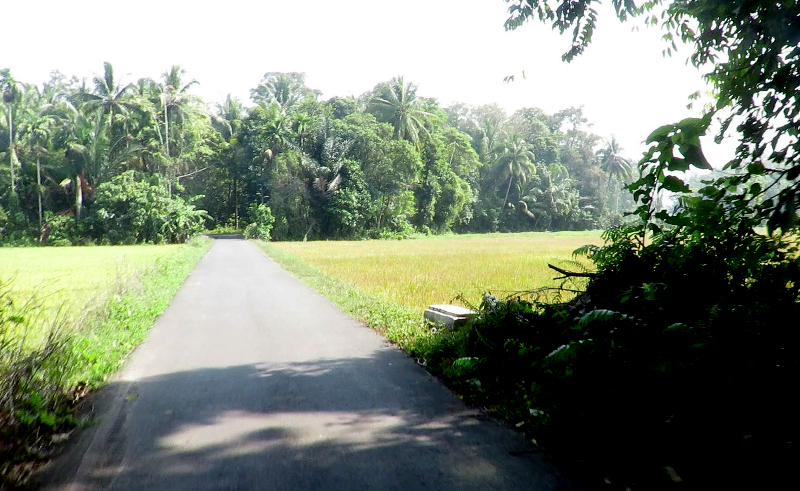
226	236
330	424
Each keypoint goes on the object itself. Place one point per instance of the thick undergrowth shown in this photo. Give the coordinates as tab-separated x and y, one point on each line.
676	365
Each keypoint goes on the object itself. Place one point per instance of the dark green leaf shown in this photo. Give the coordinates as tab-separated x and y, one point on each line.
660	134
674	184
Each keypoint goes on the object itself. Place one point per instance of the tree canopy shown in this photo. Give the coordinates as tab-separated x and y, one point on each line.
386	164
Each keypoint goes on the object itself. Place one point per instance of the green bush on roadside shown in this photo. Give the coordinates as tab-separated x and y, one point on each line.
261	223
134	208
677	350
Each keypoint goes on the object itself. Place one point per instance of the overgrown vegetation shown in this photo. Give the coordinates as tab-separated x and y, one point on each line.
41	381
674	364
261	226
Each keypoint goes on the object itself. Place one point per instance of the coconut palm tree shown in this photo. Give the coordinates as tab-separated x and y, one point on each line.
108	98
614	164
175	100
85	150
515	160
12	93
399	99
284	89
40	122
552	196
229	117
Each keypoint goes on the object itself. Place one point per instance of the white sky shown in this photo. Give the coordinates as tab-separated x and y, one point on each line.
455	50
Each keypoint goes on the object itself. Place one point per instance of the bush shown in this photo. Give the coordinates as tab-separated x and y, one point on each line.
134	207
261	222
61	230
678	350
32	386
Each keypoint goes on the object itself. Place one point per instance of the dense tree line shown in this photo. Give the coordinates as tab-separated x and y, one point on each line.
149	161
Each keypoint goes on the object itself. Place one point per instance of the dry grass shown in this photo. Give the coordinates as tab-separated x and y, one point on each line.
416	273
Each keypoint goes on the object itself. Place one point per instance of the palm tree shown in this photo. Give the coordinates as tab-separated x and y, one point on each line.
614	164
12	95
175	99
85	150
284	89
229	117
108	98
228	122
302	123
399	99
553	195
39	124
176	106
516	160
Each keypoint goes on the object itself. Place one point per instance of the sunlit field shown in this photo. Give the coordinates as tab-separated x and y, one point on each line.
74	278
416	273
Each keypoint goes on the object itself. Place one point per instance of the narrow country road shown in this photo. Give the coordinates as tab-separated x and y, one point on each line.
252	381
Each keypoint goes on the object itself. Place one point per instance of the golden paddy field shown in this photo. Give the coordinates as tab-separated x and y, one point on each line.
418	272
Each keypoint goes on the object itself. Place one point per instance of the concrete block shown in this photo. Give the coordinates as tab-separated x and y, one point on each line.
450	315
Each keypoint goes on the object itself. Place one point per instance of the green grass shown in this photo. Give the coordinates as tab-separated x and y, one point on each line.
105	298
417	273
399	324
76	277
127	315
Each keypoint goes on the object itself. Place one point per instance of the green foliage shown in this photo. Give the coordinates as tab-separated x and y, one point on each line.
682	345
135	208
387	164
3	221
61	230
261	224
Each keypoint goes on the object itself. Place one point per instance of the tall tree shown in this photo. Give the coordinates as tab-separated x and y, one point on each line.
12	92
40	122
399	101
515	160
615	165
108	99
175	100
284	89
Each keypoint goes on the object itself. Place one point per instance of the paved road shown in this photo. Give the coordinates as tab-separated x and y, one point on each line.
252	381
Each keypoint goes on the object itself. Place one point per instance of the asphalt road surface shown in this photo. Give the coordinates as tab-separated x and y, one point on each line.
252	381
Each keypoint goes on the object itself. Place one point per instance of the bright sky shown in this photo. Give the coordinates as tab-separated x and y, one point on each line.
455	50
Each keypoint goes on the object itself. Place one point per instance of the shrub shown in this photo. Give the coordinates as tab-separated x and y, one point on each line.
62	230
678	350
135	207
261	222
32	380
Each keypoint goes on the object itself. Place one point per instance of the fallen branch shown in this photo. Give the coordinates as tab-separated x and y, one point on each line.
570	274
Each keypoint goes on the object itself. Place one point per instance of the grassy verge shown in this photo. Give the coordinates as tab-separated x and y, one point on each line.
401	325
41	382
124	321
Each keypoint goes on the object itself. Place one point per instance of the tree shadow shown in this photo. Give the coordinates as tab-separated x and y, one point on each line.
354	423
225	236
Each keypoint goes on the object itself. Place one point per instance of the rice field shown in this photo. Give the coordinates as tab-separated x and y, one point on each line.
418	272
74	279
